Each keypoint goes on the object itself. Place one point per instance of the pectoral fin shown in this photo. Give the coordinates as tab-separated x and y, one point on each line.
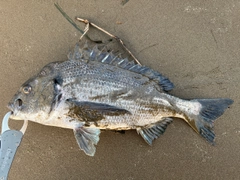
87	138
91	111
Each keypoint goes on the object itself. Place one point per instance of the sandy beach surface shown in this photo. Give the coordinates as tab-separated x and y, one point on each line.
194	43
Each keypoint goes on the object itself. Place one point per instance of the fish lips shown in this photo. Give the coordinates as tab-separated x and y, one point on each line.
15	104
14	110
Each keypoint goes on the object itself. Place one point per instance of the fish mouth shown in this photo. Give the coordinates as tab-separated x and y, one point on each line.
10	106
12	109
15	105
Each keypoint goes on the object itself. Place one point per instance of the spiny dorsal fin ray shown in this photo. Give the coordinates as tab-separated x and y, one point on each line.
153	132
94	54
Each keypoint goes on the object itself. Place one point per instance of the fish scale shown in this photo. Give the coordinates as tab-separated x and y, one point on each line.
140	112
95	89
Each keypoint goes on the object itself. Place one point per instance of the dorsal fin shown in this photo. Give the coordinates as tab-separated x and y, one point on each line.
103	56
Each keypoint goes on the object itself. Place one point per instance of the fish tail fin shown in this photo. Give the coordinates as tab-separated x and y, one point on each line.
202	118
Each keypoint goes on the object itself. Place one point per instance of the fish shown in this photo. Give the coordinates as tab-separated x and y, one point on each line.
95	90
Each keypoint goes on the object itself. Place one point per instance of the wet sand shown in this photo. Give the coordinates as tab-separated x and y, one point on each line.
195	43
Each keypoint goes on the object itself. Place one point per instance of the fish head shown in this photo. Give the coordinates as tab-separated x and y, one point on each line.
34	98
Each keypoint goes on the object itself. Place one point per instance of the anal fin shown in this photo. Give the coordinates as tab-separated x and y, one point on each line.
154	131
87	138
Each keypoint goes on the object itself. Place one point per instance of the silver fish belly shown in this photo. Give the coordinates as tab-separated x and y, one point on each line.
96	90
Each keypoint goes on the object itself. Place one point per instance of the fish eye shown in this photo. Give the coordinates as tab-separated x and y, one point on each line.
27	89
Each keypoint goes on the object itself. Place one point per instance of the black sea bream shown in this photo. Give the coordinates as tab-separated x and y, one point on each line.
95	89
